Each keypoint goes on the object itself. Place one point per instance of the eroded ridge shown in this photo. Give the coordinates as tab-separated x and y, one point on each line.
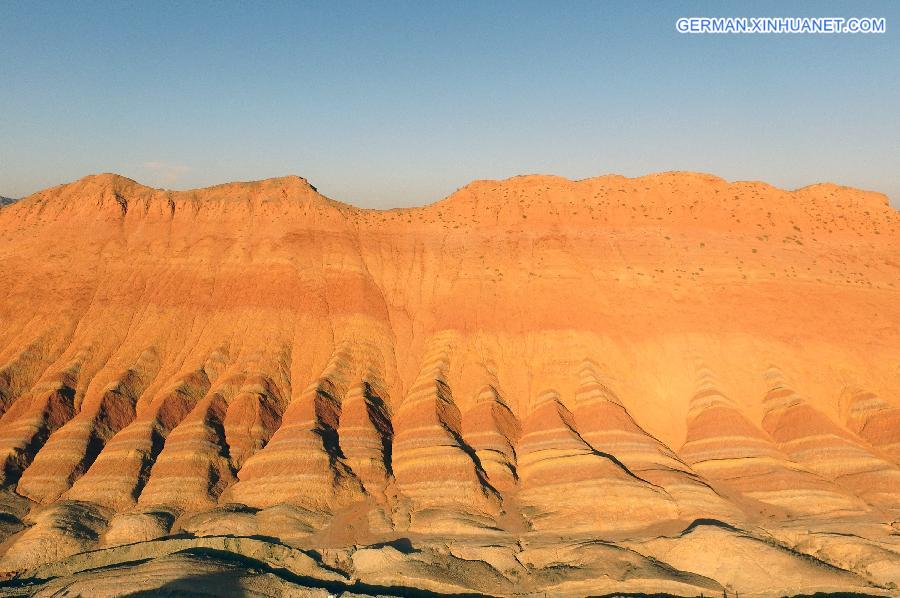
492	430
436	470
122	469
815	441
30	421
875	420
72	449
303	463
366	436
724	445
560	472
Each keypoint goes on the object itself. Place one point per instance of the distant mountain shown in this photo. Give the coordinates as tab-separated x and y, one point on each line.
5	201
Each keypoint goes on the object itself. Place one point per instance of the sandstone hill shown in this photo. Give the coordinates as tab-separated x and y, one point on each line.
668	384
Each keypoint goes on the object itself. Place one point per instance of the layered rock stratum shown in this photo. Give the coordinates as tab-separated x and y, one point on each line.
669	384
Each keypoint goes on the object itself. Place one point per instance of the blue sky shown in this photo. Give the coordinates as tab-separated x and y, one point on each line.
395	104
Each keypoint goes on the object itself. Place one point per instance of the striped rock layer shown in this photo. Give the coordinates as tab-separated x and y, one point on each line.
534	383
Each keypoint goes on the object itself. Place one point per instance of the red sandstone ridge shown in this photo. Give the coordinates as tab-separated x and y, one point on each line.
671	384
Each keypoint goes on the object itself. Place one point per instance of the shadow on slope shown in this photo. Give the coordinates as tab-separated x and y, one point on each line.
228	582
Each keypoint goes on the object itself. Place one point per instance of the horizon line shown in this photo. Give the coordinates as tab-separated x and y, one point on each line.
710	177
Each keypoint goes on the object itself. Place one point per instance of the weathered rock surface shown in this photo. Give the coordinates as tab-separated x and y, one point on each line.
669	384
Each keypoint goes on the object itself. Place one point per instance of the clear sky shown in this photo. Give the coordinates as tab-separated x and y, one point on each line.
387	104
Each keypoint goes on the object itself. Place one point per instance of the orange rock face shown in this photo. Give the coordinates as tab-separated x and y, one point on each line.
534	385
